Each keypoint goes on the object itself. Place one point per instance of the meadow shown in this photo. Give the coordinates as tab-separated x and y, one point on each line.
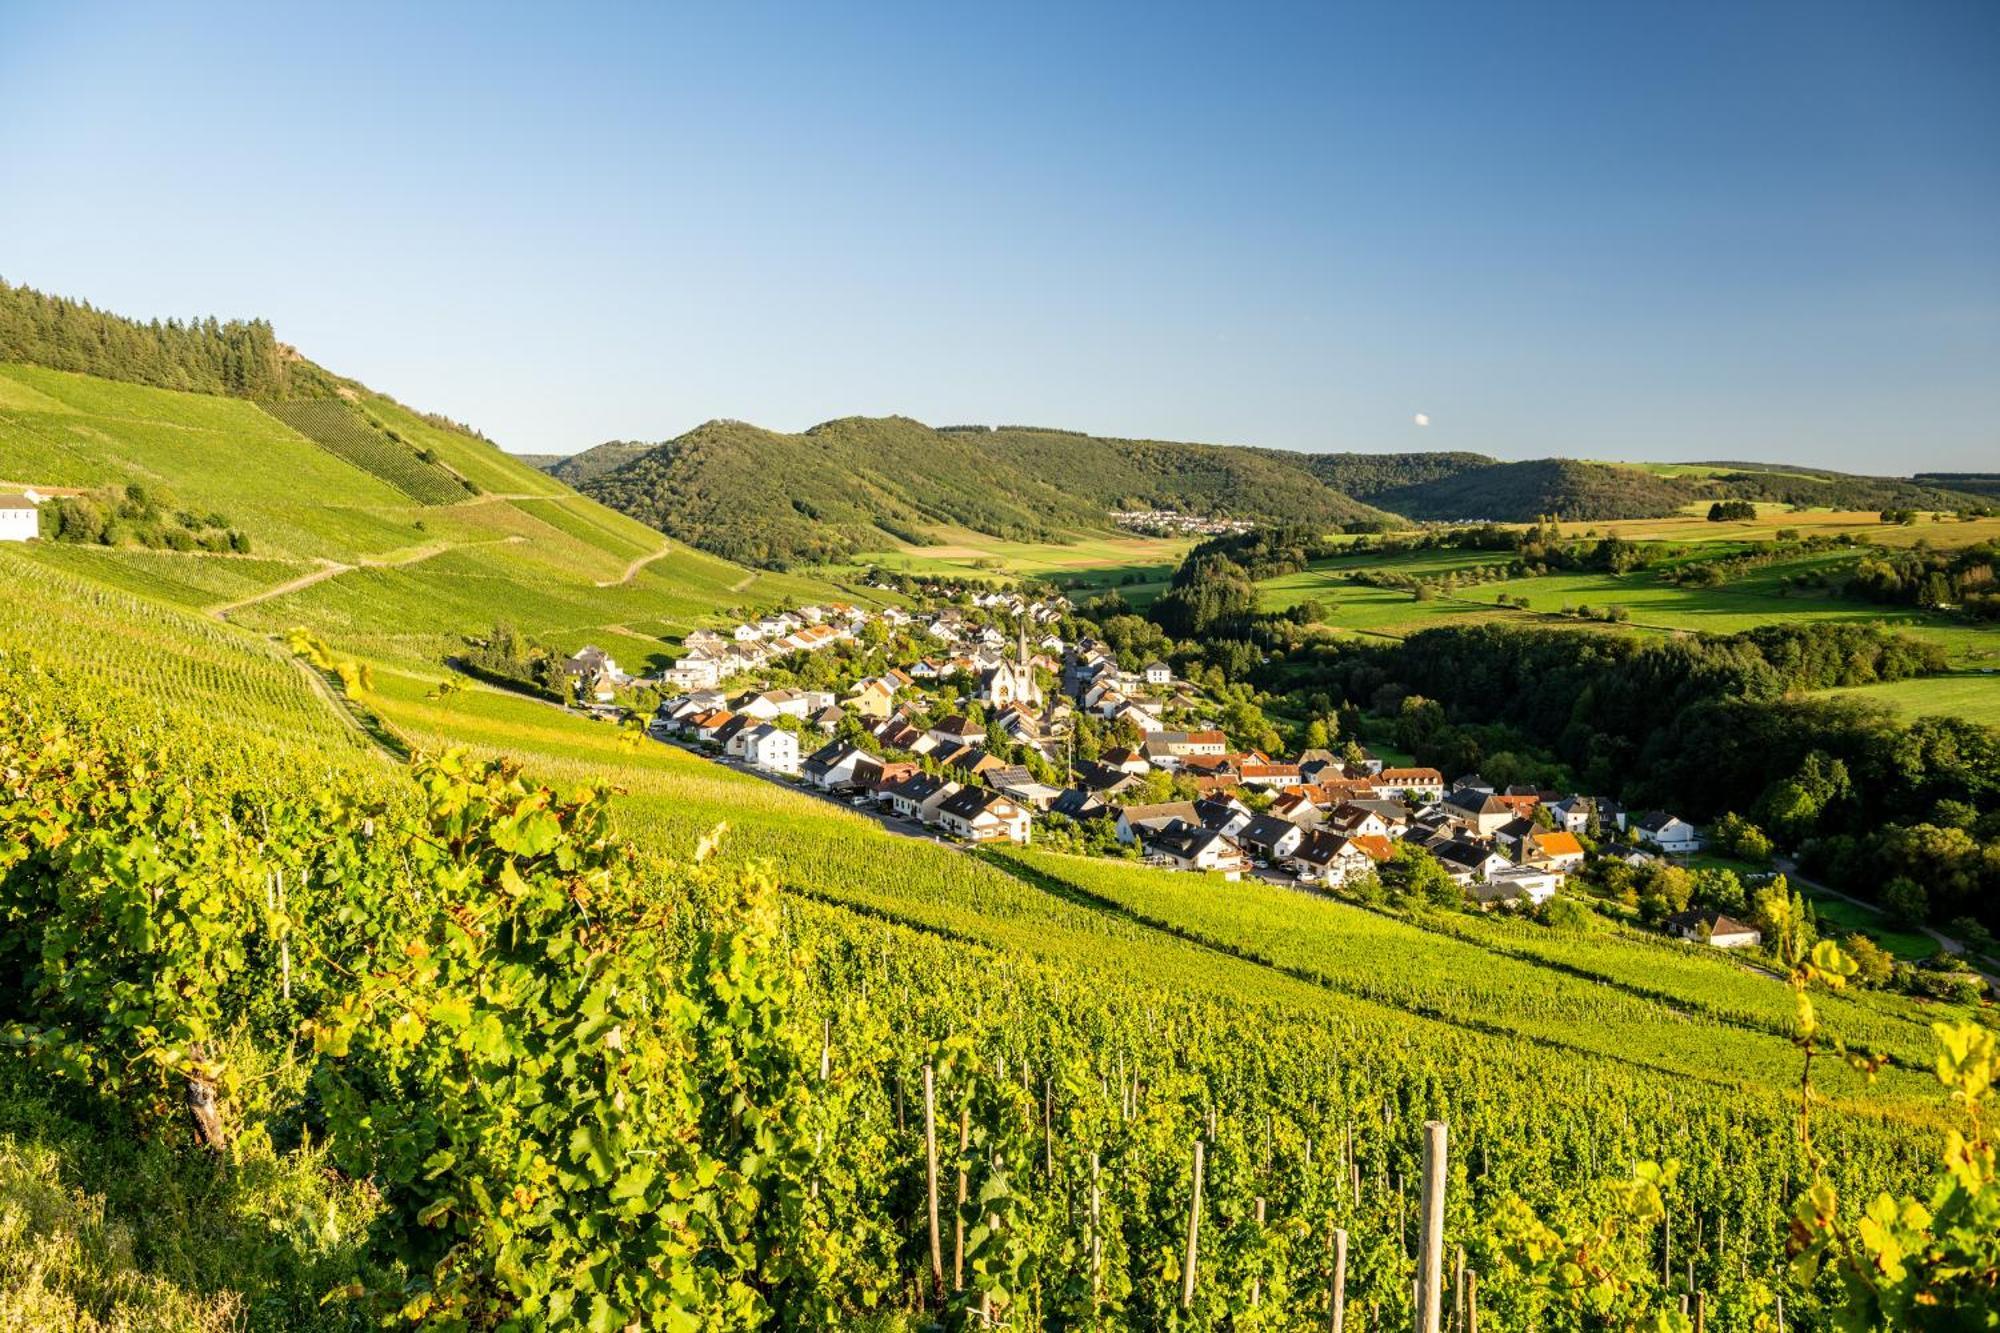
1756	597
1137	566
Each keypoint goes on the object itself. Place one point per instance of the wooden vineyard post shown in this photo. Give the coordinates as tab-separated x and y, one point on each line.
1472	1302
1193	1232
1430	1240
1700	1313
1257	1283
1667	1248
930	1157
958	1213
826	1051
1339	1318
1096	1247
1458	1289
1048	1127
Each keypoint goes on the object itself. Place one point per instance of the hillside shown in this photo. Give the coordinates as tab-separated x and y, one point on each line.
349	512
575	469
1366	476
1523	492
766	498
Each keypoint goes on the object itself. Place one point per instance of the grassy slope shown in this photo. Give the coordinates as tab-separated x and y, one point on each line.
527	549
1753	599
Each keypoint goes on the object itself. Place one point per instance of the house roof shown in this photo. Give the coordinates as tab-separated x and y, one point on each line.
971	802
1558	844
15	500
1377	847
1165	810
1266	830
1716	922
1428	777
1654	820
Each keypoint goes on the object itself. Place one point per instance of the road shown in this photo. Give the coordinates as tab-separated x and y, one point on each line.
1790	870
902	828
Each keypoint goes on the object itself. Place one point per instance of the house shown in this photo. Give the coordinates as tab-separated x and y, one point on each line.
1159	673
906	795
1185	847
1515	885
1468	861
959	731
876	696
841	767
1021	786
1012	682
828	718
1714	929
1125	760
730	734
1418	784
1079	803
1270	775
705	725
1224	814
1480	812
1556	849
772	749
1675	837
1269	837
1323	857
1136	819
1352	819
690	673
1297	805
978	815
1106	782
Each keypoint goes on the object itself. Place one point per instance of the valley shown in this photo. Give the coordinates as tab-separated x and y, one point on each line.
411	593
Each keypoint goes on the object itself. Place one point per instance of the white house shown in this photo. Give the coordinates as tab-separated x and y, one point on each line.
1189	848
1517	884
1675	837
978	815
771	749
20	516
1159	673
1715	930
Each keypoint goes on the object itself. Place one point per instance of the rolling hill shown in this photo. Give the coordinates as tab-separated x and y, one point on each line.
361	518
777	500
854	484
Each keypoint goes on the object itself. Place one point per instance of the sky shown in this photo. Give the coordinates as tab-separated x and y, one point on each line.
1634	231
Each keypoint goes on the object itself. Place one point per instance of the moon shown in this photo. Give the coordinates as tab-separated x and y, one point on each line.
1422	418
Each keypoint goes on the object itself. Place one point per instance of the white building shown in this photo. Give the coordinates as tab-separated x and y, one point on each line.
772	749
20	516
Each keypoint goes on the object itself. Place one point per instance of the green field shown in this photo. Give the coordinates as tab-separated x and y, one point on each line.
1752	599
1138	566
1974	695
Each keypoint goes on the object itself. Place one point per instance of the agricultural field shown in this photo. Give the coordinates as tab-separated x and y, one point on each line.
1938	530
1136	565
1969	694
1754	598
337	427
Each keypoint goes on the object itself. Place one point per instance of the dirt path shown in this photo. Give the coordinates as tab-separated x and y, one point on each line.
632	570
329	568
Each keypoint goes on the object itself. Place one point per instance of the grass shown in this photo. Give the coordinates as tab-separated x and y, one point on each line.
1973	695
1088	563
1753	599
1693	526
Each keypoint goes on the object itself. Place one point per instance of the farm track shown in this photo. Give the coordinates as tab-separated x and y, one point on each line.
632	570
330	568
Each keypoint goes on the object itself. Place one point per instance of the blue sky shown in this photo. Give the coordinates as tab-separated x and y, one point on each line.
1614	231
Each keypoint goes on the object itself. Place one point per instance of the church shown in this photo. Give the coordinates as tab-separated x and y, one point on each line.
1012	682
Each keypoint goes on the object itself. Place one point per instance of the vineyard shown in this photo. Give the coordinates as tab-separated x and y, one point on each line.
558	1026
347	434
728	1077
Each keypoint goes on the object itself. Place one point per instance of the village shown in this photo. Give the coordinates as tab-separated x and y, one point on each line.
969	732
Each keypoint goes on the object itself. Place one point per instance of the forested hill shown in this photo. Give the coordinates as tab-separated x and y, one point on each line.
1365	476
1160	474
242	358
1522	492
777	500
594	462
